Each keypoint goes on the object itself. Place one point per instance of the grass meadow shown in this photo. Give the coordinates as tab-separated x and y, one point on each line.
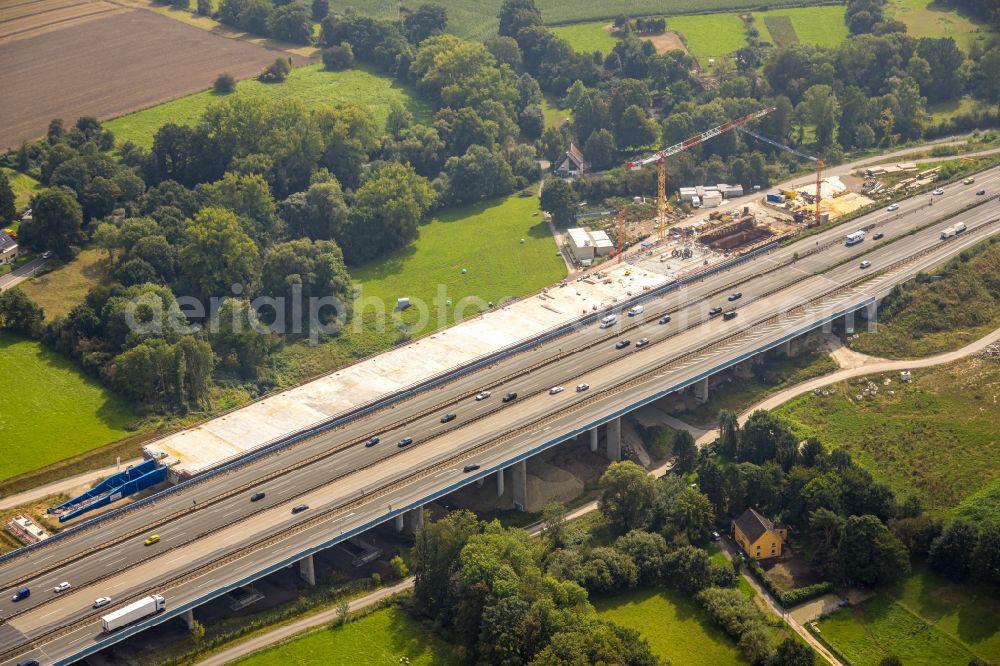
928	19
819	26
587	37
312	84
936	438
23	185
50	410
924	620
61	289
379	639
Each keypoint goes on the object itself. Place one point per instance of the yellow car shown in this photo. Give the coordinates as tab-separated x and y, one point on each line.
153	539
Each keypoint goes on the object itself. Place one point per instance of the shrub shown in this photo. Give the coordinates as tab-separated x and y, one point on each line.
205	7
339	57
276	72
224	84
789	598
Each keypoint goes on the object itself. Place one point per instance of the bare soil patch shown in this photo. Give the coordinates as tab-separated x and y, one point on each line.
108	65
668	41
793	573
33	17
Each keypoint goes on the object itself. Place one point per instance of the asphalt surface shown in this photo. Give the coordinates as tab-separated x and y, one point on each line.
22	273
587	355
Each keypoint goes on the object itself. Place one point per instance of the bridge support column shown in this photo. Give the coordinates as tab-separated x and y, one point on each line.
188	617
399	523
849	323
786	349
701	390
519	479
307	570
415	517
593	440
615	440
480	481
499	483
871	315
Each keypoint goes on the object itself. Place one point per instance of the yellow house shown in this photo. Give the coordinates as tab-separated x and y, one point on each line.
757	536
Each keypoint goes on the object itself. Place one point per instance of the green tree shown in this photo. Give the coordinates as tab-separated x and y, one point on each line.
685	452
426	21
205	7
8	209
554	523
55	223
951	553
627	496
224	84
688	569
821	109
791	652
560	200
729	435
648	550
19	313
689	514
435	552
551	144
301	270
518	14
338	57
320	9
240	341
634	129
249	197
870	554
478	174
600	149
591	113
216	254
986	556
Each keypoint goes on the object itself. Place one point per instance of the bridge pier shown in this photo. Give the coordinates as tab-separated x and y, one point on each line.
188	617
480	481
701	390
307	570
399	523
871	316
519	479
415	518
593	440
786	349
615	440
499	483
849	323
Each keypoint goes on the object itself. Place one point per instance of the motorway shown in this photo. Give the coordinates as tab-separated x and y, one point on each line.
486	432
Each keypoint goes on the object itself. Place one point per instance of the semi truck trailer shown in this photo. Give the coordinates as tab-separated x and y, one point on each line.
135	611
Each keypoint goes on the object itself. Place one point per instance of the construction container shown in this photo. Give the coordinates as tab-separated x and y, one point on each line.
775	197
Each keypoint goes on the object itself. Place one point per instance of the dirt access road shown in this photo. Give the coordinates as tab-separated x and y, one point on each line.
66	59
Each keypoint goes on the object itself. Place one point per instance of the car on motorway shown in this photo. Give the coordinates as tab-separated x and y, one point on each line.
472	467
980	193
622	344
372	441
938	192
482	395
715	311
509	397
865	264
878	236
257	496
580	388
28	662
22	593
729	315
100	602
892	207
403	443
736	295
152	539
968	181
555	389
299	508
641	342
635	310
450	416
665	319
62	587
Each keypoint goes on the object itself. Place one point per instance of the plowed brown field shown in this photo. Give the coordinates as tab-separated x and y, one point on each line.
65	59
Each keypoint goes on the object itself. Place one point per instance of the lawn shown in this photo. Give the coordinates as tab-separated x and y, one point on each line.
924	620
928	19
587	37
936	438
710	35
554	115
23	185
51	410
675	626
483	238
383	637
66	286
312	84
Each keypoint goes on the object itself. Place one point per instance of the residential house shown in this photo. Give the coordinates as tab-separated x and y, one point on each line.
8	248
571	163
757	536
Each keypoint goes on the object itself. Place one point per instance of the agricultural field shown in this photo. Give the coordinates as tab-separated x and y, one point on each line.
61	69
819	26
587	37
55	412
925	18
312	84
936	438
383	637
675	626
58	291
476	19
924	620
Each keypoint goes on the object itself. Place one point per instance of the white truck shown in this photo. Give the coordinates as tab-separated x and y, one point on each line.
133	612
959	227
947	233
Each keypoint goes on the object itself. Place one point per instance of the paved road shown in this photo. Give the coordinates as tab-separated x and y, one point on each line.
22	273
493	434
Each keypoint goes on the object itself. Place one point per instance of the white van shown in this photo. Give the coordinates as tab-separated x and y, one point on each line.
635	310
609	321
